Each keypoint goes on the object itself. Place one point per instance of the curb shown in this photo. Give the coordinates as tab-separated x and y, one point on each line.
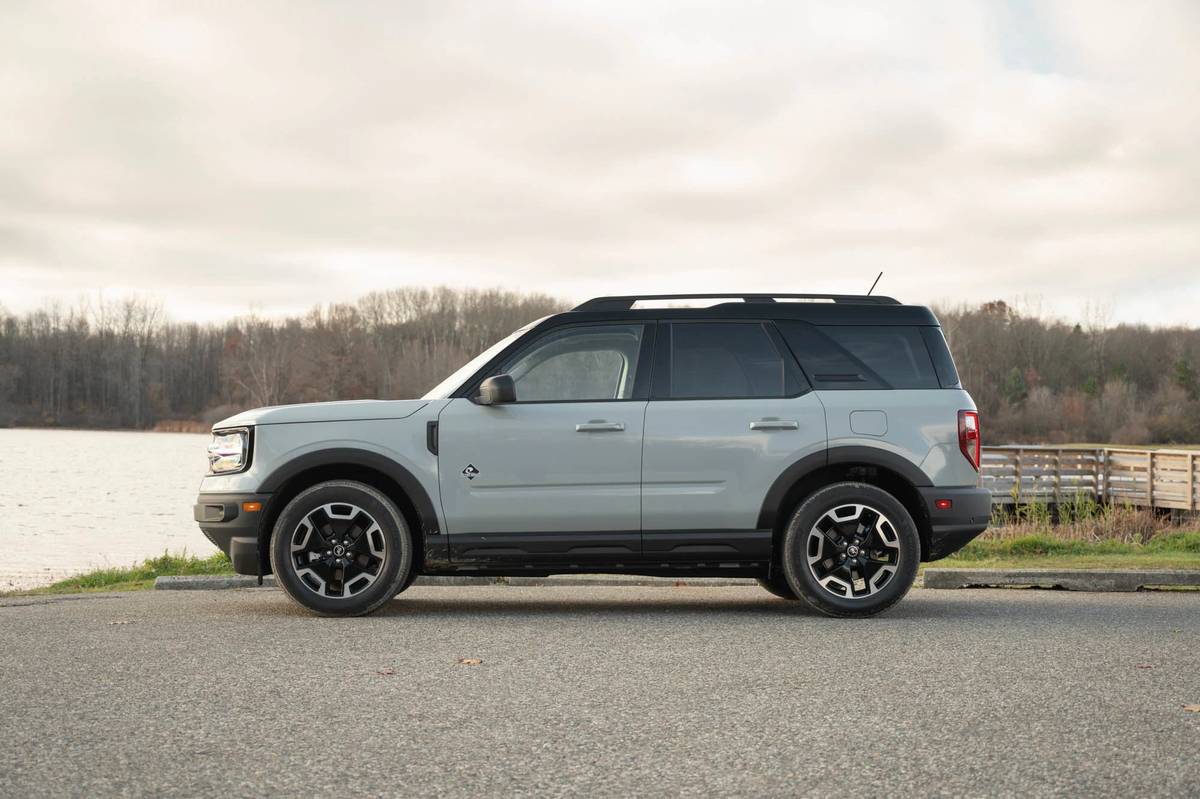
1068	579
218	582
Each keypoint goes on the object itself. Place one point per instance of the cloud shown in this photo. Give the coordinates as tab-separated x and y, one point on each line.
284	154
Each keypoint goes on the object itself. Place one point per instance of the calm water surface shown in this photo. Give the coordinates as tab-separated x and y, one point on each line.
73	500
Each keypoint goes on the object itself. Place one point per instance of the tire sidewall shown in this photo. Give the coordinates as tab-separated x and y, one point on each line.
398	555
795	547
778	585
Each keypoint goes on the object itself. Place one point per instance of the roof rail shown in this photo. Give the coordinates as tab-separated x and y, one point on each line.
624	303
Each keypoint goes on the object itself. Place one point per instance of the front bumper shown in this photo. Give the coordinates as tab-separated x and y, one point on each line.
953	528
234	530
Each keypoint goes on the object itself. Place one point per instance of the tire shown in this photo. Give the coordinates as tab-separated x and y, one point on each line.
851	550
777	584
362	554
412	577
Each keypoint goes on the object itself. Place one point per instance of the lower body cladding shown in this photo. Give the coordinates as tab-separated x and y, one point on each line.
233	522
956	517
697	553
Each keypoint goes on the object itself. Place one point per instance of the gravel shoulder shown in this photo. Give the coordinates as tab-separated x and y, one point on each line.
601	690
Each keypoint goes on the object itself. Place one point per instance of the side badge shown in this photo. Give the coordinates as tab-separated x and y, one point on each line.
470	471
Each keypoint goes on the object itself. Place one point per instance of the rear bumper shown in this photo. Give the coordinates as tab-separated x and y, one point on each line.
953	528
234	530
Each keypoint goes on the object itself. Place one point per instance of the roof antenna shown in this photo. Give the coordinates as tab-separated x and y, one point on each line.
876	283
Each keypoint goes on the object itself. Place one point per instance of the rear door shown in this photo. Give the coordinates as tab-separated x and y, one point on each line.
729	412
557	473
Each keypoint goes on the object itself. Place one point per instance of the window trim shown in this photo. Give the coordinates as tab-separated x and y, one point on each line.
661	387
641	377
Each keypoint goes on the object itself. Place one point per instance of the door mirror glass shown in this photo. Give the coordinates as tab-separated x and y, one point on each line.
497	390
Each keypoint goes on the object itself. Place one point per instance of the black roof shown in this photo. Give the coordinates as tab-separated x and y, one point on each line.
845	309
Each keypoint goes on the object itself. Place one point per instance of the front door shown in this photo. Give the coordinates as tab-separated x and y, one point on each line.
556	475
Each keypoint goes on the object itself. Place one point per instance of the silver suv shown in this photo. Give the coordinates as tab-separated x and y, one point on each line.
819	443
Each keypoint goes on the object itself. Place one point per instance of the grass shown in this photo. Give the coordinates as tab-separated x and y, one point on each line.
134	578
1176	550
1082	518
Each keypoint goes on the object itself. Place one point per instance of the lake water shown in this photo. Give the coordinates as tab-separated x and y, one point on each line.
74	500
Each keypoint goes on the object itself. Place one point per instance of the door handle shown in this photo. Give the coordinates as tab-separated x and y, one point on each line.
775	424
599	426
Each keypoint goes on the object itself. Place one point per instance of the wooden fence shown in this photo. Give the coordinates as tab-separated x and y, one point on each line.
1163	478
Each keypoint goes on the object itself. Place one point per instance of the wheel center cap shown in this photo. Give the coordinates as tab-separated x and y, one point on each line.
339	550
852	551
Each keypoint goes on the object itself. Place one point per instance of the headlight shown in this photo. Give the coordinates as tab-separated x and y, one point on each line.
229	451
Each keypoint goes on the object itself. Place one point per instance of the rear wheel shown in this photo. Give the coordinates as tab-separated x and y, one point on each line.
341	548
777	584
851	549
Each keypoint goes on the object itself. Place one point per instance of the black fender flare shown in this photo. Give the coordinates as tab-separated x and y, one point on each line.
768	515
408	482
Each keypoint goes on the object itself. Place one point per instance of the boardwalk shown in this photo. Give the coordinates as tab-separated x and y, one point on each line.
1164	478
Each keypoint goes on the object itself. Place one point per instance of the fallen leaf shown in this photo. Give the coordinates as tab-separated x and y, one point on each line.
470	661
1143	666
1192	708
388	672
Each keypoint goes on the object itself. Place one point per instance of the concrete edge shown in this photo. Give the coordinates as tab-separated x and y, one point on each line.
1067	579
219	582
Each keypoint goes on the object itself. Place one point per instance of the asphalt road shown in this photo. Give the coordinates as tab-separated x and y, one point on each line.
600	691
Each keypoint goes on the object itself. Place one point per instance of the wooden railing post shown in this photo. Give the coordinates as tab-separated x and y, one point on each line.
1107	472
1191	481
1058	477
1017	483
1150	479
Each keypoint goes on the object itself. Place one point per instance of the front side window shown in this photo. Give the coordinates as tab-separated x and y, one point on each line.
578	364
725	360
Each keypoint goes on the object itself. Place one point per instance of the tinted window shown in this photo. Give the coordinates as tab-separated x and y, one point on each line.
725	360
589	362
861	357
943	362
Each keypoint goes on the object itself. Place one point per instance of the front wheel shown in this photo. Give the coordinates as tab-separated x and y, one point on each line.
341	548
851	549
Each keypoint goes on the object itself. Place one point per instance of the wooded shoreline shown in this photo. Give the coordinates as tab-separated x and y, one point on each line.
124	365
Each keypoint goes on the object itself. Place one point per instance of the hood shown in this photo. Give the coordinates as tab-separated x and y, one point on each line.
353	411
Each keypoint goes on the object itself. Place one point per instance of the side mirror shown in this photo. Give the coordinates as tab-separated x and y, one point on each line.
497	390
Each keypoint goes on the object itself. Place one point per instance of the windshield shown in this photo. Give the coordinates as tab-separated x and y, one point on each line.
445	388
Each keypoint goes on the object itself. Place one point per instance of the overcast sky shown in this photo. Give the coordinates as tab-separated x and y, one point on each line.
224	156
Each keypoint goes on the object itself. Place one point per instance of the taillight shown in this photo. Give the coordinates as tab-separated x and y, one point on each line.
968	436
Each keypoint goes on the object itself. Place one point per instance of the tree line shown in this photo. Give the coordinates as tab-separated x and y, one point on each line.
124	364
1040	380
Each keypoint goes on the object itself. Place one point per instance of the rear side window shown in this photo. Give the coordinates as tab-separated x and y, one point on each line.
726	360
943	362
861	356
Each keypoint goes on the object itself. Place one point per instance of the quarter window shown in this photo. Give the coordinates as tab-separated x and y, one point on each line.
580	364
861	356
725	360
